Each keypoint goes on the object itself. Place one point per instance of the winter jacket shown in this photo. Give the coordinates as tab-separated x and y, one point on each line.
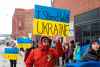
41	57
92	55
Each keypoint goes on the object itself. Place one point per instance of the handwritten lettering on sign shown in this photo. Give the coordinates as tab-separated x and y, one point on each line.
50	28
50	13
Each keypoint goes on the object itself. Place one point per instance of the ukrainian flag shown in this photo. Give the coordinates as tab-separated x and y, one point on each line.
24	42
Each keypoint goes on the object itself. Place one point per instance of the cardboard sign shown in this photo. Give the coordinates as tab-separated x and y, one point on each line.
50	13
50	28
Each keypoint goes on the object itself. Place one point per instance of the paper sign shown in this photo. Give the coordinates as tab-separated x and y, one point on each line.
50	28
50	13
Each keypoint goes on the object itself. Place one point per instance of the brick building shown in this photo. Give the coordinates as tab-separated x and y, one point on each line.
77	6
22	22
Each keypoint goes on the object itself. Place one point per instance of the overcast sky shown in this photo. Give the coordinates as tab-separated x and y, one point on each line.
7	8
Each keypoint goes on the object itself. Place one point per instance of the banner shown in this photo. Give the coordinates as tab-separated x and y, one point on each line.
50	28
50	13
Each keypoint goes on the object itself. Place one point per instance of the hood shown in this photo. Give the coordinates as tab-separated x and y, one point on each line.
43	47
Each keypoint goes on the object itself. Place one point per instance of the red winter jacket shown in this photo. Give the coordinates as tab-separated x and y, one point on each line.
44	58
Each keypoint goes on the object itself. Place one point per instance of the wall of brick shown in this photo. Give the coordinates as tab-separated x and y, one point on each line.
22	22
77	6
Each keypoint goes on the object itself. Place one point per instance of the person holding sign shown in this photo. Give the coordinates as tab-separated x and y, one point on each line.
11	53
44	56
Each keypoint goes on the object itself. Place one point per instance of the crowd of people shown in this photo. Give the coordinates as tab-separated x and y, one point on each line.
70	51
48	51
